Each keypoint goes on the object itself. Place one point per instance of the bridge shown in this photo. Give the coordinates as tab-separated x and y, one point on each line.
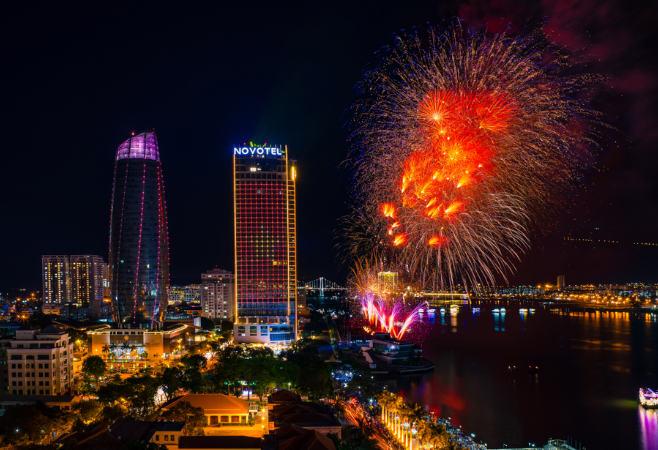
323	285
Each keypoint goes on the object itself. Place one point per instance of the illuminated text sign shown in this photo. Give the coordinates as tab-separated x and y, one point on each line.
273	151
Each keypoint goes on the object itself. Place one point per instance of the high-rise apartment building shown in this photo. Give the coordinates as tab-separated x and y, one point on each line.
218	294
76	280
56	282
89	277
38	362
139	243
265	244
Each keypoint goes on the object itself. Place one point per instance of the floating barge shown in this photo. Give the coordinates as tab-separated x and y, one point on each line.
648	398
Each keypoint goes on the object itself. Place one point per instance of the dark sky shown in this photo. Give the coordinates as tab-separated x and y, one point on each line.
76	79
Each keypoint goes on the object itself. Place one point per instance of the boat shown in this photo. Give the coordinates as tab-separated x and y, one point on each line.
432	310
421	310
532	310
496	311
648	398
443	310
503	310
476	310
523	310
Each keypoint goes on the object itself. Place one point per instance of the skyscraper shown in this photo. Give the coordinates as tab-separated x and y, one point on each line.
139	243
265	244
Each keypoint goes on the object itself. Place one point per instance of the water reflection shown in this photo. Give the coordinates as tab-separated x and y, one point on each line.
590	367
648	428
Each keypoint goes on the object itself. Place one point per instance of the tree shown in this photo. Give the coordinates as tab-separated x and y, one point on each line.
207	324
94	366
26	424
194	418
88	410
353	438
171	380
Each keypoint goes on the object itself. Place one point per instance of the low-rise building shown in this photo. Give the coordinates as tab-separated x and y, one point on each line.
293	437
123	433
311	416
62	402
107	343
220	443
218	408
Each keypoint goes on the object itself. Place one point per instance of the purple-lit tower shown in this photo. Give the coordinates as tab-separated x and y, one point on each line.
139	241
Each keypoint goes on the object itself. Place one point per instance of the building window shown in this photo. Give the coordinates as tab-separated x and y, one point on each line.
157	437
166	437
173	438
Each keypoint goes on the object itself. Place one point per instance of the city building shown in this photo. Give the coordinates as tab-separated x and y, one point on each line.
89	284
221	443
78	281
560	282
139	243
124	433
148	344
38	362
293	437
387	281
218	294
56	282
218	408
265	244
311	416
61	402
192	294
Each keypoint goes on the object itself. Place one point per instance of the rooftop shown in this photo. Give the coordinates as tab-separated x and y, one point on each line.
36	398
214	403
219	442
142	146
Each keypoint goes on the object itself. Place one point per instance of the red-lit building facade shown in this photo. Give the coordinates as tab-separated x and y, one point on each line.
265	244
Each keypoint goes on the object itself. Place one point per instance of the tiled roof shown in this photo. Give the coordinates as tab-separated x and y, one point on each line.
311	440
214	403
219	442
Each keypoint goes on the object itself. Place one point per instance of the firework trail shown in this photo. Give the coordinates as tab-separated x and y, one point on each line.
390	317
457	140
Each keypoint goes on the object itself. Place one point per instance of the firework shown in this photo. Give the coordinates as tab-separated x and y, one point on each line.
389	316
458	139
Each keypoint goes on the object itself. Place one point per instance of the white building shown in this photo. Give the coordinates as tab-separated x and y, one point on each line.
218	294
39	362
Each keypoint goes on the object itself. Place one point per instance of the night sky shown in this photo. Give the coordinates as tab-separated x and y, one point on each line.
76	80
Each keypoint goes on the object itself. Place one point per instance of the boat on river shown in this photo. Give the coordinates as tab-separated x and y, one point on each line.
648	398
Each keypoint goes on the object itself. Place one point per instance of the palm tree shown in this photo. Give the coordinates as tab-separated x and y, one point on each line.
106	350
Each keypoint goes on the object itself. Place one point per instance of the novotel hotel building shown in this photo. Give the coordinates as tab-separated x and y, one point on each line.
265	232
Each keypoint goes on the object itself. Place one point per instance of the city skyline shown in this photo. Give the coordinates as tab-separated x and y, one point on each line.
209	104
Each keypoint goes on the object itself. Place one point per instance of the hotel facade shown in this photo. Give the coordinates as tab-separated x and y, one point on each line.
265	229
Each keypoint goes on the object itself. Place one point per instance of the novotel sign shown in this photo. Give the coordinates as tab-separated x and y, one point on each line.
271	151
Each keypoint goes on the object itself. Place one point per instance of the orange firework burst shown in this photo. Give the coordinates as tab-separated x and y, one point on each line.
457	137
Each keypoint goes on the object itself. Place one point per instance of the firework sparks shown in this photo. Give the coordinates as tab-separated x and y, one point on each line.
390	317
457	140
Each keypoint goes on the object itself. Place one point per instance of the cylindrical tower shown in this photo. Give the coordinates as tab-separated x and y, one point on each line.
139	242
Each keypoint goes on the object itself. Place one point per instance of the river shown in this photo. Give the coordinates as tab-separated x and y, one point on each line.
590	367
